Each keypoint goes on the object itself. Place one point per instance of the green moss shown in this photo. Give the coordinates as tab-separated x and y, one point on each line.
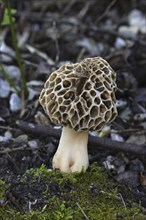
90	195
43	173
61	213
3	188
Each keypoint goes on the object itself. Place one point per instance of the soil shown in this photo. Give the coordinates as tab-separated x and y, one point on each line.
50	33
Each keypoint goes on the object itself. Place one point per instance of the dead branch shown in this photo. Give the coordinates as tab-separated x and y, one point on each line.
107	10
56	43
38	130
133	131
8	150
94	142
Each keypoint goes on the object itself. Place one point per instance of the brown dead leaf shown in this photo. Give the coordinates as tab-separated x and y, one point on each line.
143	180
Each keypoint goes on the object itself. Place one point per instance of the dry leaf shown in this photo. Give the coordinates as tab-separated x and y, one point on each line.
143	180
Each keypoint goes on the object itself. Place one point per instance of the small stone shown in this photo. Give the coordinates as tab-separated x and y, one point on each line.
4	88
1	120
93	133
33	144
15	102
117	137
21	138
2	139
8	54
137	19
127	31
137	139
50	149
8	135
2	202
41	118
136	165
119	43
120	165
121	103
32	94
130	178
35	83
13	72
137	22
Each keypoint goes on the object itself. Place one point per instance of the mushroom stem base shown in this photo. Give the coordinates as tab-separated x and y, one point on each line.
72	153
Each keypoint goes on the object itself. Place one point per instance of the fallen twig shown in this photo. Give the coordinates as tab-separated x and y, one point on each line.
106	10
135	131
82	211
110	31
38	130
56	43
94	142
8	150
121	197
8	128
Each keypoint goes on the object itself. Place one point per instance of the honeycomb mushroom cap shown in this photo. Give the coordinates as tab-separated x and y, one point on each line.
81	95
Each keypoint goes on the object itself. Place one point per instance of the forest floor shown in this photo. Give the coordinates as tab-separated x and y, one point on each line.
49	34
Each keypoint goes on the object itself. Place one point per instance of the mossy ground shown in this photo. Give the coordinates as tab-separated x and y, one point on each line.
91	195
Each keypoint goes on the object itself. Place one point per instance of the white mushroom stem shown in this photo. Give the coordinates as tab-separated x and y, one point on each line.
72	153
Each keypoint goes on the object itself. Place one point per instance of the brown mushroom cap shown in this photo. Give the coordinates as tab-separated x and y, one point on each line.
81	95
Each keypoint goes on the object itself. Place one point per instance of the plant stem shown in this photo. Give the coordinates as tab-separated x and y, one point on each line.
24	91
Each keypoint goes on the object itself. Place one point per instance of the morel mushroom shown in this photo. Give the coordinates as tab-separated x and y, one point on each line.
81	98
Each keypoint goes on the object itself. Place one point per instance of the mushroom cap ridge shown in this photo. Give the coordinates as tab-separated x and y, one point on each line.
81	95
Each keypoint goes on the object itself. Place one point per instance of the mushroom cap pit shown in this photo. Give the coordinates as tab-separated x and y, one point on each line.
82	95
